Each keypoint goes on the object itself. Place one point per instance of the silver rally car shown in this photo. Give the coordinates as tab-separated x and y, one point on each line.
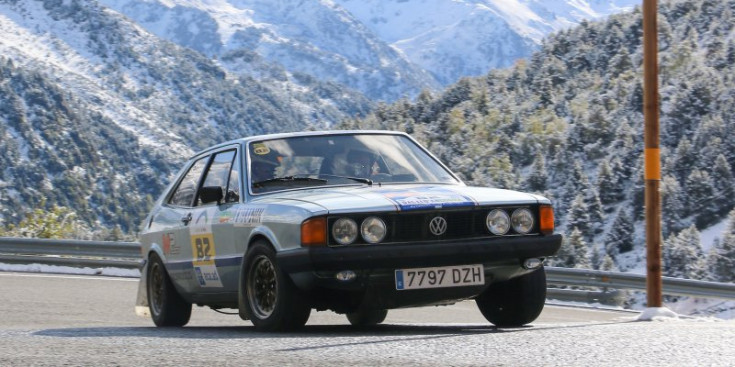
358	222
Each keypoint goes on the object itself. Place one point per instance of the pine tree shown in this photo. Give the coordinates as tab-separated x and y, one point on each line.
564	258
578	216
608	185
597	218
581	252
721	260
673	207
608	264
682	255
701	196
684	160
595	259
724	184
536	181
620	238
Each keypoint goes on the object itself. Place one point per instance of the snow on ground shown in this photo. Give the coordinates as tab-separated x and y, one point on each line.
708	236
657	314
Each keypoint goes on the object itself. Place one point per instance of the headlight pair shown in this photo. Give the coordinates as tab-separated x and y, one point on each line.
499	223
372	230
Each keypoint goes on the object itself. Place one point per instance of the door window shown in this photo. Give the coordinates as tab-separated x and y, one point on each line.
184	193
219	172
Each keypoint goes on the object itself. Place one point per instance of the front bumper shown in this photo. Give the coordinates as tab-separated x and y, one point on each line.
313	270
395	256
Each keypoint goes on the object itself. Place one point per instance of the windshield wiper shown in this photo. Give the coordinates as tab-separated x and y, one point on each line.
356	179
288	179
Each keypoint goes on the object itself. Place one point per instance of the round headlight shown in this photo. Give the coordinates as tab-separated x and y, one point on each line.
522	220
344	231
373	230
498	222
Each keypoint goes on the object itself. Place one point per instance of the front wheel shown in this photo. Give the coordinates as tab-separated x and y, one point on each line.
515	302
363	318
167	307
273	301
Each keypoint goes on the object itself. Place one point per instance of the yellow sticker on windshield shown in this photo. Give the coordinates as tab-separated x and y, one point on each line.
261	149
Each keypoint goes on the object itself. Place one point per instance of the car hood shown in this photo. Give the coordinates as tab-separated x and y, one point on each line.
401	198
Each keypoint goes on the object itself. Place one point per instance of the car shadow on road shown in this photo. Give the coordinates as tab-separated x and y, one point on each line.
417	331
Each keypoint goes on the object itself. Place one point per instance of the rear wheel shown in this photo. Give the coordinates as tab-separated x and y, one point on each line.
274	303
167	307
364	318
514	302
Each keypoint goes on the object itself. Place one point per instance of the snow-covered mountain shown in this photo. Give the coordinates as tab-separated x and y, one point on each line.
96	113
315	38
386	49
456	38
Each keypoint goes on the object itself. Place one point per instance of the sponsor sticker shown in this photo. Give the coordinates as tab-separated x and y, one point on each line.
225	216
249	217
261	149
428	198
202	222
207	276
169	244
204	252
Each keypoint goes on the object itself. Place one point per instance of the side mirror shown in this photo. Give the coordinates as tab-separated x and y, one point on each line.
210	194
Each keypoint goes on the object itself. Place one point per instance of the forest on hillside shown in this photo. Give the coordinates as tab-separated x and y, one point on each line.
568	124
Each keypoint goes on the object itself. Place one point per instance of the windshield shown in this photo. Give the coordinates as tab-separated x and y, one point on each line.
307	161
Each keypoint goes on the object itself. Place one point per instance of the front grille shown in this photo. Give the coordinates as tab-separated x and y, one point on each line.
414	226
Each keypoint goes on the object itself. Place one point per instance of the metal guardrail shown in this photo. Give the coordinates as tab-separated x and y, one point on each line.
74	253
607	279
127	255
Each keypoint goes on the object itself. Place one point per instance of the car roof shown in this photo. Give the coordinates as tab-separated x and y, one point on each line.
297	134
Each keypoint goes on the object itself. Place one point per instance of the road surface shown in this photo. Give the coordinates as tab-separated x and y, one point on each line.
55	320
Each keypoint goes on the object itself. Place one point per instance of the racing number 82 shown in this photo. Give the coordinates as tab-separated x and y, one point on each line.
203	248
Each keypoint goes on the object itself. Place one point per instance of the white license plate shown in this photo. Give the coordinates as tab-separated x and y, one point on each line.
440	277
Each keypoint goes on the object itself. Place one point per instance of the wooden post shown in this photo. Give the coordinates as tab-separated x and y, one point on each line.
652	154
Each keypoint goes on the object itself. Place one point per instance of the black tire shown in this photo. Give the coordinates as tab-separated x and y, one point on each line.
515	302
365	318
273	301
167	307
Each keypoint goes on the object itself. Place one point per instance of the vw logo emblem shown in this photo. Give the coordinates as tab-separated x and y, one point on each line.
438	226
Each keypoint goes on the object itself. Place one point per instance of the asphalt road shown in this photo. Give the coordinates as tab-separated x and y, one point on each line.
56	320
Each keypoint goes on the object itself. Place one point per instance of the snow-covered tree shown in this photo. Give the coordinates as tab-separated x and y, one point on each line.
701	192
620	237
682	255
536	181
574	252
578	216
608	185
672	206
721	259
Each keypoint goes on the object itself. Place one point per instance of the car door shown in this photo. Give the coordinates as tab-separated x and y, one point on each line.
177	213
210	230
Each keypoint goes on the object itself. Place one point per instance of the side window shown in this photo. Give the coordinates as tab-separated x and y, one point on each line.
219	171
184	193
233	187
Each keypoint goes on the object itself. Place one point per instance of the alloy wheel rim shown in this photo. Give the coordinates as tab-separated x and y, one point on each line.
156	288
262	287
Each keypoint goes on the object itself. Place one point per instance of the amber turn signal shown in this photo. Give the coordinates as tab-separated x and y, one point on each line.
314	232
546	224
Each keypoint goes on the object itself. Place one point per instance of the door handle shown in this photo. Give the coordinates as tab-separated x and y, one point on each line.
186	219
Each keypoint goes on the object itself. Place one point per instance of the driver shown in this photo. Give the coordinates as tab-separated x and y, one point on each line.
361	163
